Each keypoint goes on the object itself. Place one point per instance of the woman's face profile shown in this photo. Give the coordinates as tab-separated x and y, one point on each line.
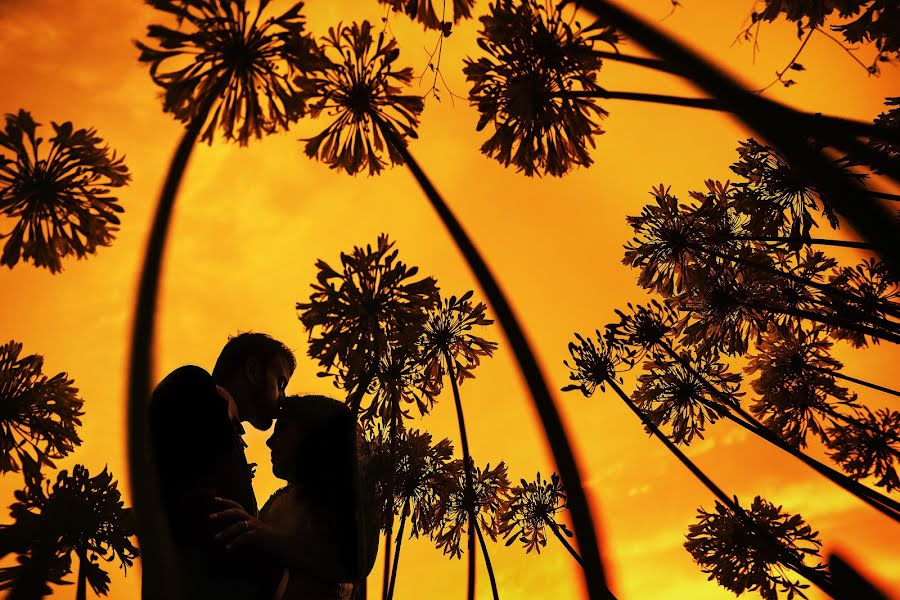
284	444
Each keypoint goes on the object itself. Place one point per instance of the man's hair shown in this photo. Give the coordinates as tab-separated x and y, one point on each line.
244	346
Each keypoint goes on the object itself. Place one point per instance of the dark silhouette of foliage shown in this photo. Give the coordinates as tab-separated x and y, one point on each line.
671	393
79	514
532	508
432	14
59	199
38	415
233	60
399	381
595	363
740	560
354	315
360	87
889	119
643	328
523	87
872	293
869	448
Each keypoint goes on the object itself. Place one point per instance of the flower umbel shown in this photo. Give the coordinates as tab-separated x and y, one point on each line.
60	199
360	87
234	62
594	364
869	449
432	14
533	507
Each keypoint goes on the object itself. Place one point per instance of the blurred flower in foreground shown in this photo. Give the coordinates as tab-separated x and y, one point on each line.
237	67
38	416
60	199
534	86
361	89
740	560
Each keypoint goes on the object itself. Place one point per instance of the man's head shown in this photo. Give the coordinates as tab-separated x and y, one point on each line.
255	369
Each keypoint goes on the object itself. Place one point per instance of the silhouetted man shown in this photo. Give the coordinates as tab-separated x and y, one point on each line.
195	433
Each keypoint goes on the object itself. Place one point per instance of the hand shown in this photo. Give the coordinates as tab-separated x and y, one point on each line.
237	527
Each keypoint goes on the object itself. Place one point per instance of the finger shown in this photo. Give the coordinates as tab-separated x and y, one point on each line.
233	531
230	515
227	502
242	539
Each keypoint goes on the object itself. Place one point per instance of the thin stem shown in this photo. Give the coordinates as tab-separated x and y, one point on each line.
867	384
469	492
555	529
843	47
582	521
641	61
397	548
831	321
806	241
703	103
392	452
487	563
153	531
780	74
355	398
81	590
388	538
885	196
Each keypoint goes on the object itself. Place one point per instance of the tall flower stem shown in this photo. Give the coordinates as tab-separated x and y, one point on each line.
783	127
885	196
878	501
830	320
815	577
397	544
641	61
81	590
564	542
554	429
807	241
861	382
153	532
388	534
487	562
469	492
355	398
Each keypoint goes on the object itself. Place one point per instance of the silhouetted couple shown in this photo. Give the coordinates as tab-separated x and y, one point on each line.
310	539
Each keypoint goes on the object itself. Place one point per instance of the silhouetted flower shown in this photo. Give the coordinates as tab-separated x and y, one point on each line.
532	508
80	514
360	87
38	415
810	267
490	489
595	364
353	315
644	327
777	200
424	479
399	381
889	119
669	392
723	545
431	13
59	200
528	86
235	63
448	332
795	384
865	292
870	448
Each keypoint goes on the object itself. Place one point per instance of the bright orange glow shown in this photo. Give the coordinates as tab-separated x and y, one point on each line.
250	222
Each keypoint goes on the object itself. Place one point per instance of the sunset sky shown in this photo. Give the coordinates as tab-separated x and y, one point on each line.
250	223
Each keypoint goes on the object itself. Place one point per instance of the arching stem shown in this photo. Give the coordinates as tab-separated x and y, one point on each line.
555	529
487	563
399	541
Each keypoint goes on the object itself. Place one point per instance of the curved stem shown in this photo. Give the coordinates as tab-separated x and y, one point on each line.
867	384
885	196
399	541
153	531
487	563
554	429
553	527
469	492
355	398
388	534
806	241
832	321
641	61
780	74
703	103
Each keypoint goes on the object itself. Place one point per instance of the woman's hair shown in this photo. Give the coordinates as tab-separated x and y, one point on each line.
326	466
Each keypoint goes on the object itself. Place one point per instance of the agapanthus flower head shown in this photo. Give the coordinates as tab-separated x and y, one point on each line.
864	292
670	393
532	508
227	63
399	384
869	448
39	416
424	479
644	327
807	265
361	88
448	334
778	201
889	119
534	85
740	560
795	385
354	315
80	514
490	488
595	363
432	14
57	198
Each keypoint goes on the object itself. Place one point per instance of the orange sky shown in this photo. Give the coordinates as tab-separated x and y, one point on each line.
250	223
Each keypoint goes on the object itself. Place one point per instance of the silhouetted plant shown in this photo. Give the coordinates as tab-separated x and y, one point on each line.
360	87
532	508
740	560
58	200
644	328
595	363
38	415
872	292
670	393
232	60
869	448
489	494
352	316
524	86
889	119
79	514
398	383
432	14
